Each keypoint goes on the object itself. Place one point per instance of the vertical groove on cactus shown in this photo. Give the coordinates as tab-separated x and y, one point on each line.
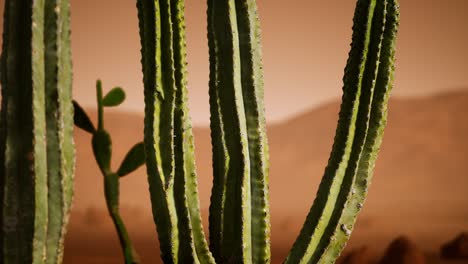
168	137
60	150
24	164
358	137
239	212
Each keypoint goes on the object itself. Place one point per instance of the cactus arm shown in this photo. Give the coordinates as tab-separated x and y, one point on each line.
168	137
184	140
342	218
376	123
239	214
158	136
345	183
60	149
149	24
236	244
24	210
253	93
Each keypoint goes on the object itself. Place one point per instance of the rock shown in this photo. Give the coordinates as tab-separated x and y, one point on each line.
457	248
403	251
361	255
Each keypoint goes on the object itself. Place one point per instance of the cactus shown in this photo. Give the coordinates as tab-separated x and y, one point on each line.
102	149
168	137
36	135
367	82
239	211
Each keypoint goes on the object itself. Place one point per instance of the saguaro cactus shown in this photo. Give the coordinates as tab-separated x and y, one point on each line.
37	152
239	212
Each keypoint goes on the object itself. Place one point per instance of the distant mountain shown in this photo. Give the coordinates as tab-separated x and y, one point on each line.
419	188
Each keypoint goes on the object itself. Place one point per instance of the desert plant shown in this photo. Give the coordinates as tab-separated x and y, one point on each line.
37	152
36	137
102	149
239	212
368	80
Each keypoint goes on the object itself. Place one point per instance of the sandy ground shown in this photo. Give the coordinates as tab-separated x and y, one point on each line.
419	188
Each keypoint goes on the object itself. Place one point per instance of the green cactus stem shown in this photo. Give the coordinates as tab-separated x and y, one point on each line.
24	162
37	151
169	142
59	110
239	212
367	82
102	149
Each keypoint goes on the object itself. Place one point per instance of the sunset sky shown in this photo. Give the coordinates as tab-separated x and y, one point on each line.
305	46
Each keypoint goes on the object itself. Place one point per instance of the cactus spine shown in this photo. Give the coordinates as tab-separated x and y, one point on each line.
37	151
367	83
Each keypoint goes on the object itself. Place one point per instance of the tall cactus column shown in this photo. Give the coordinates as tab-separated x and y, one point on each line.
367	83
239	212
168	138
37	151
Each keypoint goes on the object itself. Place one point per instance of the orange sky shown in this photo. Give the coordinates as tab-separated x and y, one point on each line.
305	48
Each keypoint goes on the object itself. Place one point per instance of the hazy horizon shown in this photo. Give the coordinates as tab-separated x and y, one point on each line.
305	47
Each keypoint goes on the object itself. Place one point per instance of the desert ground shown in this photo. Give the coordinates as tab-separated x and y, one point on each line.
419	187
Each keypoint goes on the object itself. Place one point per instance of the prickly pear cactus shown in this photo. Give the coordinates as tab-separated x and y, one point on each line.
102	150
37	153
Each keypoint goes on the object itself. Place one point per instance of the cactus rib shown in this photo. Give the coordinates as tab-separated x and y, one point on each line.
358	137
239	214
60	150
168	137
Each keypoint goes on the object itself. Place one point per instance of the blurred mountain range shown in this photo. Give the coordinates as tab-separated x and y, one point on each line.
419	187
